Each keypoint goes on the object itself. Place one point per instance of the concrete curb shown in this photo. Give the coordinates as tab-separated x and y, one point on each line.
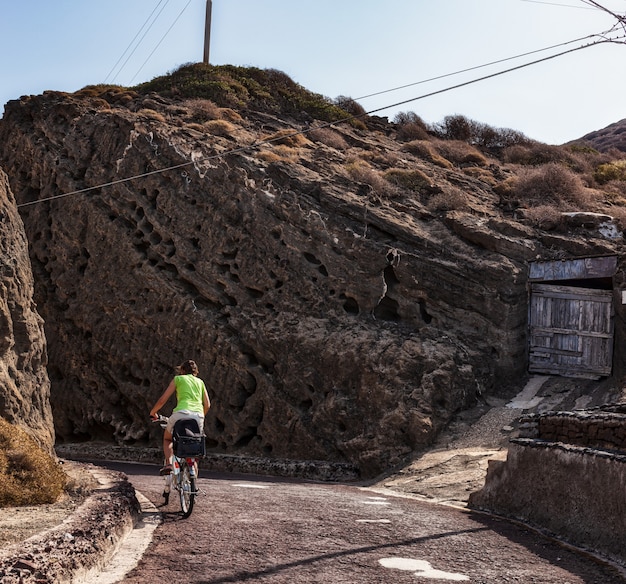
81	546
133	546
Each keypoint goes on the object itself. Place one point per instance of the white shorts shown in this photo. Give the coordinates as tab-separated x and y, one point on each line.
184	415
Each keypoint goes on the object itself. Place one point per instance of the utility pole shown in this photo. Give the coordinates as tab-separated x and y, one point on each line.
207	31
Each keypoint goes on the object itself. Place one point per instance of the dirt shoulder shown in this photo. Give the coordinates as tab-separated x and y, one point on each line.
77	535
19	523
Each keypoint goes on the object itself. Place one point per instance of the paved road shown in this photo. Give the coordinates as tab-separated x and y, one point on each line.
258	529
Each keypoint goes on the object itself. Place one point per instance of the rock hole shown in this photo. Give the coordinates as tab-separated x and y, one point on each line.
253	293
427	318
309	257
387	309
246	437
350	305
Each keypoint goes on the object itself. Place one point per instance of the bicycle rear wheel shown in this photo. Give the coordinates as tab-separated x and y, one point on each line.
187	490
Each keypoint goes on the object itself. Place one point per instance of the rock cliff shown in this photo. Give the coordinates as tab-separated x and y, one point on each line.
335	311
24	384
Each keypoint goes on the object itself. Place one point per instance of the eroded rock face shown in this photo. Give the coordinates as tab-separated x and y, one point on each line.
24	384
330	320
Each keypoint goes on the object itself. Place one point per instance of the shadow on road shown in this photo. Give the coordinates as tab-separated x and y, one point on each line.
246	575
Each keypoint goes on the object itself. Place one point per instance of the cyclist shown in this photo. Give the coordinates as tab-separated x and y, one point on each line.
192	401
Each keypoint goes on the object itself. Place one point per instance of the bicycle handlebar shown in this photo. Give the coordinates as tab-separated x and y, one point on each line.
160	420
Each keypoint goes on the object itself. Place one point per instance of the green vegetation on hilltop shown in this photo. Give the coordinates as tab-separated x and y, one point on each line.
267	90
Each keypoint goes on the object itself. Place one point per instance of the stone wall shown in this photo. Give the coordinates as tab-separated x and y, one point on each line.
567	479
603	428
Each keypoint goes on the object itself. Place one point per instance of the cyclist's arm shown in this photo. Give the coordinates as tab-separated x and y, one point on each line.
171	388
205	401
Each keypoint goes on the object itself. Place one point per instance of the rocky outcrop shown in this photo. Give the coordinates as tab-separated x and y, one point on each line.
24	384
333	314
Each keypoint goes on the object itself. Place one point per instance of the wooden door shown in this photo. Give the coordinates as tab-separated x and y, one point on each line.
571	331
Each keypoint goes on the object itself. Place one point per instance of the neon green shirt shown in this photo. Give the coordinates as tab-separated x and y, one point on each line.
189	393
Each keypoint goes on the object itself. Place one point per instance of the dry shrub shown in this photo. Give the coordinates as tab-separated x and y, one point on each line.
268	156
203	110
153	115
534	154
196	126
220	128
481	174
426	151
545	217
279	153
329	138
361	172
411	127
230	115
100	103
460	153
619	214
409	132
28	475
615	190
551	184
384	158
411	180
287	138
453	199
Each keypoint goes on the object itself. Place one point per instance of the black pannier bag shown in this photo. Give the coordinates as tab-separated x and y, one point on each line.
188	439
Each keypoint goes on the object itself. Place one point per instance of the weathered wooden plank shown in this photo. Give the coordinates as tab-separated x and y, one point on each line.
571	292
573	269
544	352
550	332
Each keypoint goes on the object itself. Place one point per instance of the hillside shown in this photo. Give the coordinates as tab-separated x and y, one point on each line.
345	286
611	137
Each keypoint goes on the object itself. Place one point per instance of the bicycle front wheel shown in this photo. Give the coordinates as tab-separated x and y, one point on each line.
187	490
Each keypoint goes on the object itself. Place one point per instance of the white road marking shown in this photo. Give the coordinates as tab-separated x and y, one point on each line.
250	486
422	568
377	501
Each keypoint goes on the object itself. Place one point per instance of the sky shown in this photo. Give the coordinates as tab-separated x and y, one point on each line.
353	48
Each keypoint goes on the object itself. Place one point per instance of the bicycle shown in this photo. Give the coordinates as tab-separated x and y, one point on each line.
188	443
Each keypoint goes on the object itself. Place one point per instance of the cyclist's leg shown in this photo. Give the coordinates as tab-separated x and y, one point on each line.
168	451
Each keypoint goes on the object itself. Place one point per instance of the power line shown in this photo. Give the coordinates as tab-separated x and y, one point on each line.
162	39
144	34
495	74
620	18
131	44
558	4
476	67
255	145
